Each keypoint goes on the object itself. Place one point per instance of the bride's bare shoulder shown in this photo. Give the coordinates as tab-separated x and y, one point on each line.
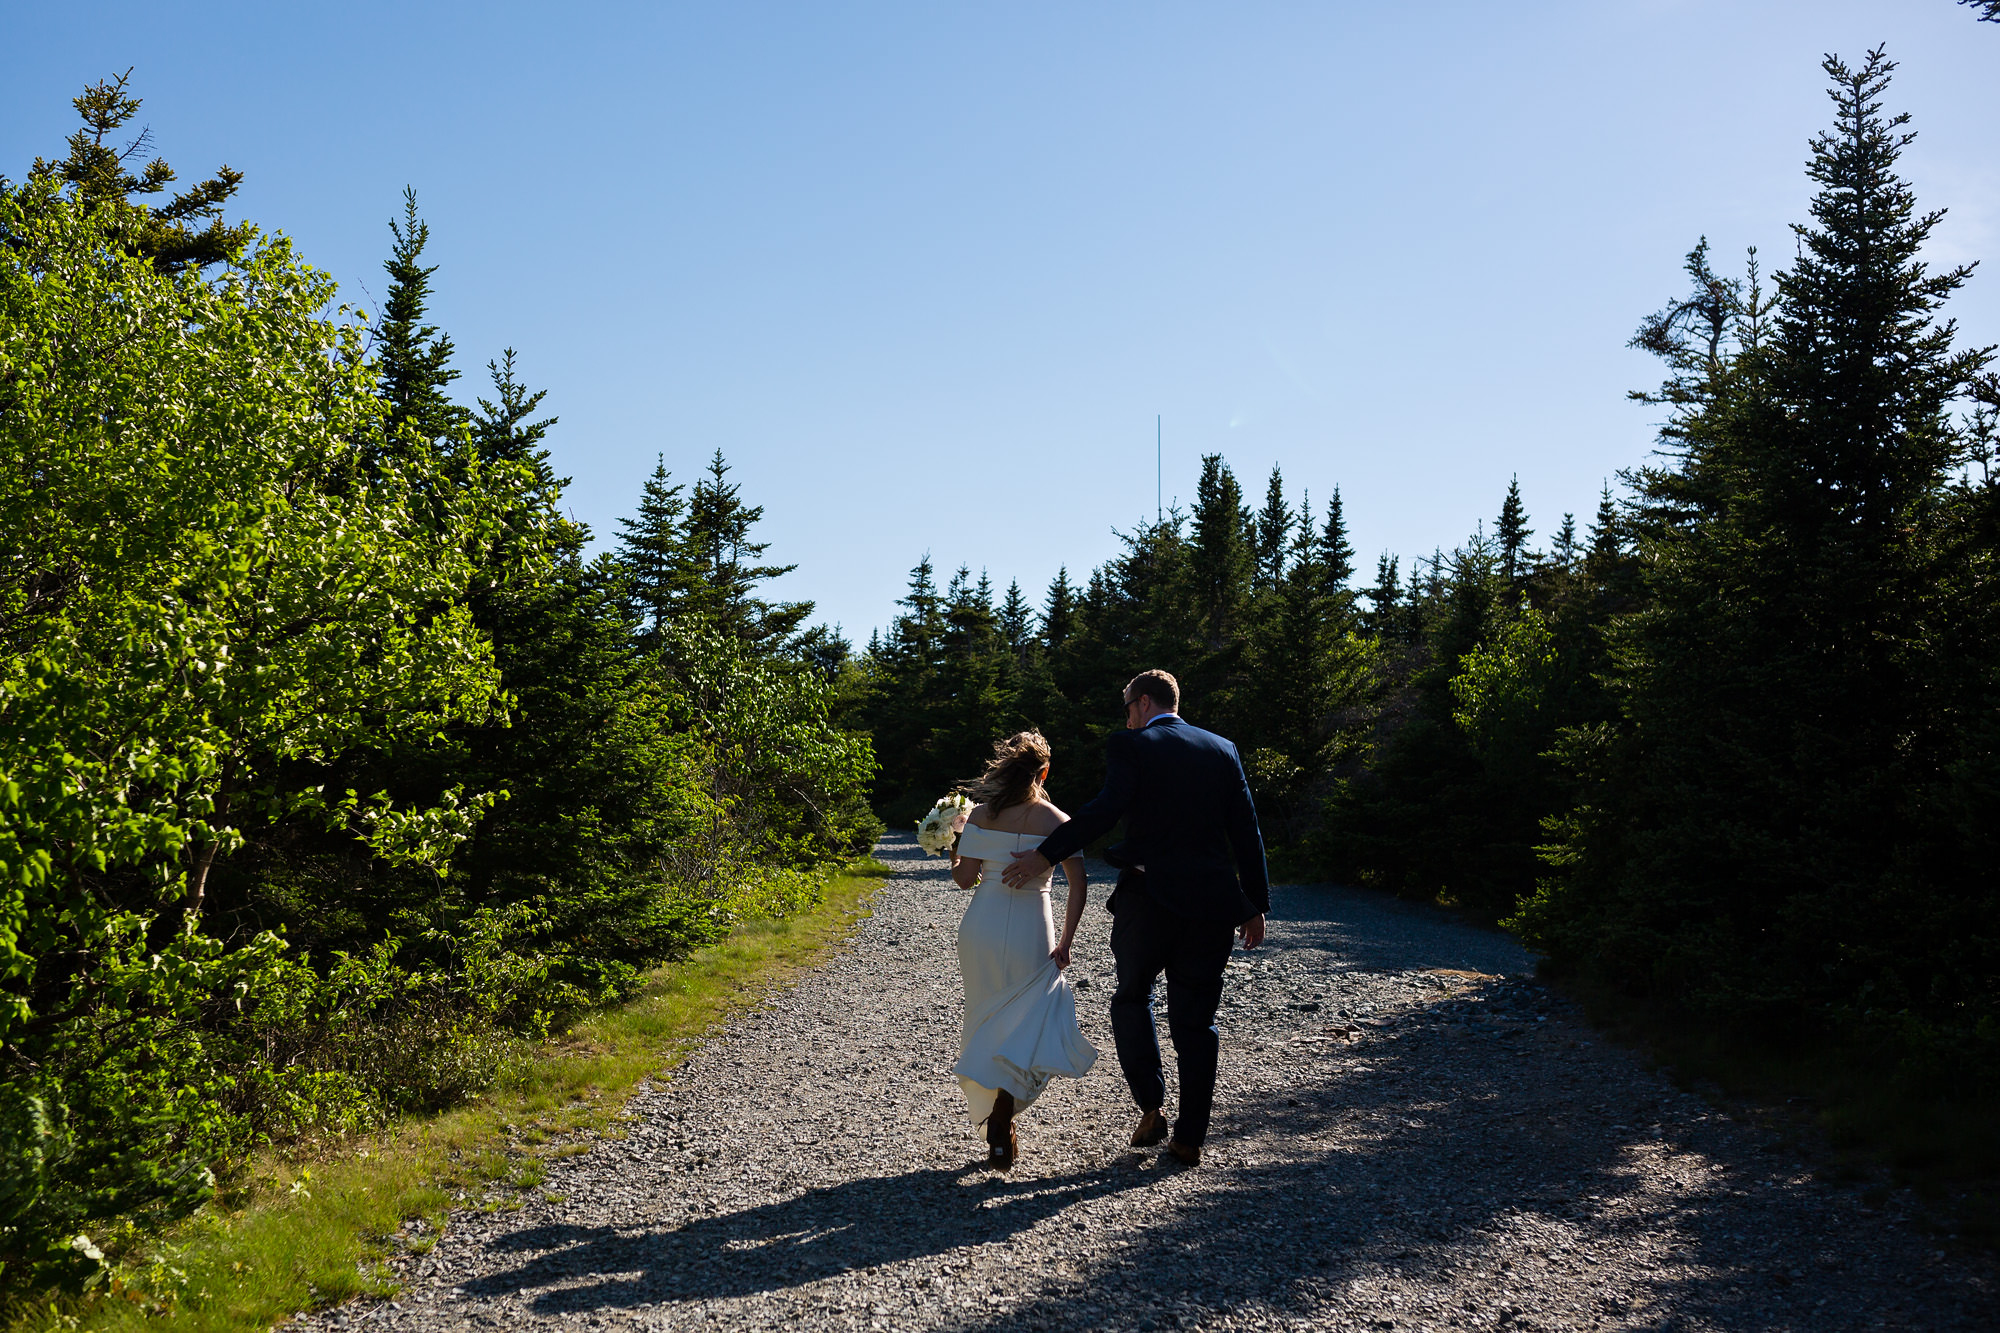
976	814
1046	817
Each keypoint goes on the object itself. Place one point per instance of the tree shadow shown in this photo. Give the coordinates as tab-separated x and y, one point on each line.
818	1234
1462	1164
1384	1163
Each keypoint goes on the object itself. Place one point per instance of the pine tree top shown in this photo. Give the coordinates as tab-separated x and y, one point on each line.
413	358
99	175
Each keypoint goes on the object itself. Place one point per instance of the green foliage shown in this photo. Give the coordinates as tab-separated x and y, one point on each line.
329	769
206	595
97	177
1267	645
1790	826
412	358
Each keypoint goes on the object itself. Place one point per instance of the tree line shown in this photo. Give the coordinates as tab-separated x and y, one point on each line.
1728	747
330	761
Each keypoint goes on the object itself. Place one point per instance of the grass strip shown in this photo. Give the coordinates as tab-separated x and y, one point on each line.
302	1234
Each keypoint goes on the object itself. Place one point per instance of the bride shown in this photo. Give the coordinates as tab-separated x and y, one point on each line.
1020	1013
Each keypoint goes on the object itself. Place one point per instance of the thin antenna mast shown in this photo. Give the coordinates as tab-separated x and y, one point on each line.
1159	510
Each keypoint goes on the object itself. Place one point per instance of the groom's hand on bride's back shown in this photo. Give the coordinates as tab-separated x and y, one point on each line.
1252	931
1024	869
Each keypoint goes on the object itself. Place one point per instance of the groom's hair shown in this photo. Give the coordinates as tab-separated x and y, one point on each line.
1159	686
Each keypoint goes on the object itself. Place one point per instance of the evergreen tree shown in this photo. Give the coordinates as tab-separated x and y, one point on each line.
907	694
1059	610
1017	622
1385	596
1311	675
413	359
1750	850
1565	546
1511	533
826	651
1222	557
1604	534
723	580
99	177
503	432
1334	554
653	550
1273	532
1989	10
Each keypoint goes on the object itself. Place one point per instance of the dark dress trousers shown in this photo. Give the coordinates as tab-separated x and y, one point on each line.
1191	871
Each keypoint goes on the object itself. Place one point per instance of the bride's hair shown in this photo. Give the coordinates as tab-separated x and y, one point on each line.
1013	775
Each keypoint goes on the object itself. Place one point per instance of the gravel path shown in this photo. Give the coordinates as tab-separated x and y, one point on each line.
1409	1134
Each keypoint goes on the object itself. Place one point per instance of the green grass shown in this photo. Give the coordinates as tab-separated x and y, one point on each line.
302	1234
1841	1106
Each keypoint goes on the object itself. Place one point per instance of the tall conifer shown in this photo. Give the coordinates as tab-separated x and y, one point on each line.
413	358
1565	543
725	578
1222	559
1755	854
1059	610
653	550
1333	552
1273	531
1017	621
504	432
1511	533
99	176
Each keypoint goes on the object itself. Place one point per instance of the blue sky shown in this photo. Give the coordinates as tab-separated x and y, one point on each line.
927	273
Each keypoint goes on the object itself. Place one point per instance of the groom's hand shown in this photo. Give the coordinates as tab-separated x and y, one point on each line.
1252	931
1024	869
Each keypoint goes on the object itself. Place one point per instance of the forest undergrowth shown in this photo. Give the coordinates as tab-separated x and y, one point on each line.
313	1225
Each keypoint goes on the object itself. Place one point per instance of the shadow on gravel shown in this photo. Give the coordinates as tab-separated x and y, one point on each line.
1395	1162
821	1233
1504	1151
1372	931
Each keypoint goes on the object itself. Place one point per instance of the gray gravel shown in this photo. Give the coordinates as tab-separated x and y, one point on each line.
1410	1134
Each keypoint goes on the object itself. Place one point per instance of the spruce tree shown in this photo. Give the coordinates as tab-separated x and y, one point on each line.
724	579
1017	622
1385	598
1511	533
100	177
908	695
1058	610
1750	851
1604	540
413	359
1333	553
1273	531
1222	558
1565	544
503	432
653	549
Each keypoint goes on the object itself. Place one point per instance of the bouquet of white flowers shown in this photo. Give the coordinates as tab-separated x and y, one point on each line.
939	829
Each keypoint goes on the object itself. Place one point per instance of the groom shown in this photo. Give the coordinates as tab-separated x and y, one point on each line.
1191	877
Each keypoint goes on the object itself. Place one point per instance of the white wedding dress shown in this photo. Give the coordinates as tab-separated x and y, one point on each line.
1020	1013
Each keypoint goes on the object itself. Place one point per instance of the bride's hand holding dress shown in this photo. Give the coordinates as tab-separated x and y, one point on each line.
1020	1013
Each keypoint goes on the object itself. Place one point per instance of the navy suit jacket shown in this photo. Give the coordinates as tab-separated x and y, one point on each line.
1189	821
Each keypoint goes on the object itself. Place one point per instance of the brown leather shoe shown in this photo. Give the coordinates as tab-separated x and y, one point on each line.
1152	1128
1187	1154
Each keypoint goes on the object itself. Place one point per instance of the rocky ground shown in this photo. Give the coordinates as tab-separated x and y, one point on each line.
1411	1134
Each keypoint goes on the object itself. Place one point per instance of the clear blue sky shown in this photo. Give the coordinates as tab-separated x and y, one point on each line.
926	273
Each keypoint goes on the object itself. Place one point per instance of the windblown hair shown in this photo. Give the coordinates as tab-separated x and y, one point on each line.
1014	775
